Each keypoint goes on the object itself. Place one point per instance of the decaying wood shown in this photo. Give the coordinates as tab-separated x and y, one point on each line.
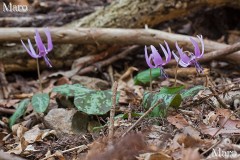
119	14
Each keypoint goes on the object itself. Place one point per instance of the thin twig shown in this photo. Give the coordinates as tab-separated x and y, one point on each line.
225	122
144	115
82	147
214	145
215	94
112	112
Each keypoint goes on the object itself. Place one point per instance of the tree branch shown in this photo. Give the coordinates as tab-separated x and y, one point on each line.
121	37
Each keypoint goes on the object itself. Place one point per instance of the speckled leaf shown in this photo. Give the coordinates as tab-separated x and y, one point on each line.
171	90
22	107
144	76
176	101
95	102
40	102
170	96
150	99
191	92
71	89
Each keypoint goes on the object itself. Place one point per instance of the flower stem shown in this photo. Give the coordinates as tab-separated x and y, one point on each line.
39	76
175	79
150	79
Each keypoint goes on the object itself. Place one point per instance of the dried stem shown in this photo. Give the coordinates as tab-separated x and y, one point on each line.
82	147
112	111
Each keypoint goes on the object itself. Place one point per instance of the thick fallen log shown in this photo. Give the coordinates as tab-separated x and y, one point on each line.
119	14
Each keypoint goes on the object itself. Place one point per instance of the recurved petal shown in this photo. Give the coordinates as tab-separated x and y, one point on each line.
181	63
40	45
166	53
196	48
201	40
148	58
157	59
31	52
47	61
182	55
49	39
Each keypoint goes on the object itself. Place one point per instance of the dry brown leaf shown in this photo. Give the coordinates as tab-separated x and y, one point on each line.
31	149
127	147
191	154
20	147
227	130
36	134
191	131
18	130
178	120
59	155
154	156
8	103
191	142
63	80
128	74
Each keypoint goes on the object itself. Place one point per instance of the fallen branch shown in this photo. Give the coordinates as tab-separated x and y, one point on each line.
138	14
122	37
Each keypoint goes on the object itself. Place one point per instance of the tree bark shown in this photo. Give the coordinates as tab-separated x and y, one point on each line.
119	14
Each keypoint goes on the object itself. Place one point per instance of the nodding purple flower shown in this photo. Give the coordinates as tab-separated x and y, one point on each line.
42	50
154	60
186	60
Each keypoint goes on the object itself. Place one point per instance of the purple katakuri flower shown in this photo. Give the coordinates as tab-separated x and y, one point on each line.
154	60
186	60
42	50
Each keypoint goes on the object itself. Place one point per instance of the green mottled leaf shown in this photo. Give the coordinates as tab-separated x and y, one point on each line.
171	97
22	107
191	92
71	90
150	99
144	76
95	102
176	101
171	90
40	102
